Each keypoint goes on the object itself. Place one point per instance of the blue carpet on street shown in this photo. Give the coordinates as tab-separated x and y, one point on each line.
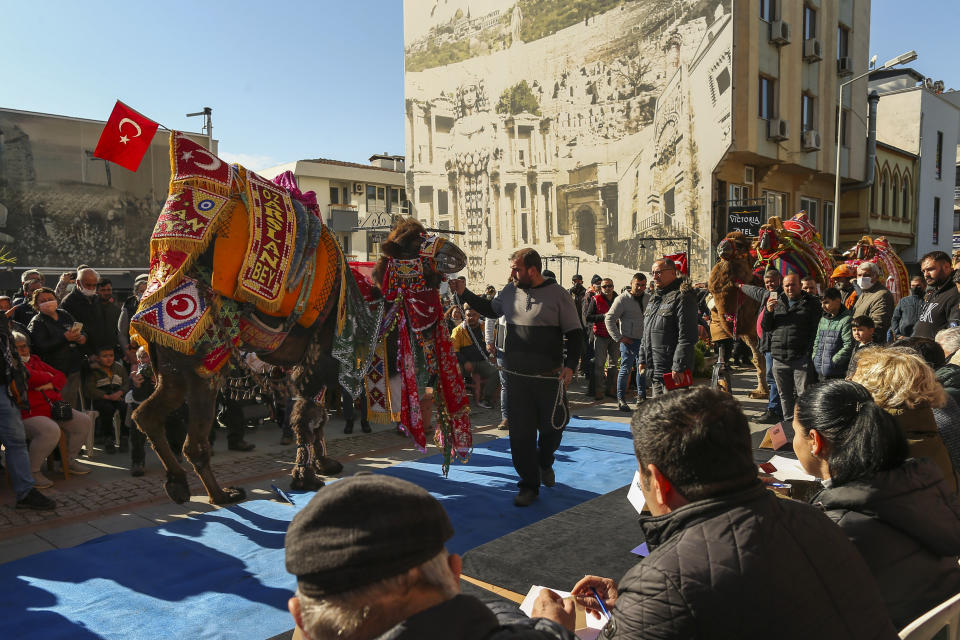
222	575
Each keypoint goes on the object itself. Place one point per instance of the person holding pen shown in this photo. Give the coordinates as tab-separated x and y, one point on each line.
728	559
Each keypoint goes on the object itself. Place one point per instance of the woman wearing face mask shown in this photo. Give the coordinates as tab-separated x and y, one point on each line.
55	340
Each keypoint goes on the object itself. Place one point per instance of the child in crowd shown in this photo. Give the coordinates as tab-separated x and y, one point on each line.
862	329
105	387
834	342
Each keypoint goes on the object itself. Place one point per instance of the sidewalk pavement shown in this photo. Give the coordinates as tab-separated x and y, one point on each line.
109	500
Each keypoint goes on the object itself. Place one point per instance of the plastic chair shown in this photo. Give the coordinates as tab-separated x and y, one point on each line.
64	456
945	618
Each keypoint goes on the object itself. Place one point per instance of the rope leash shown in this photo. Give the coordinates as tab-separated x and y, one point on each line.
561	389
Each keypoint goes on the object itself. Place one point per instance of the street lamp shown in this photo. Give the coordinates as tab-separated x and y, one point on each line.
904	58
208	125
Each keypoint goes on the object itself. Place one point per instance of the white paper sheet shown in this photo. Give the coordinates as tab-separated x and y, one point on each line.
788	469
527	607
635	495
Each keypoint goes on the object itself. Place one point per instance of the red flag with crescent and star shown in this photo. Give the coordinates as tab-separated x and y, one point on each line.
126	137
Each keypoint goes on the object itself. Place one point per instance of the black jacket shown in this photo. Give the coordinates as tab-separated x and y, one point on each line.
939	310
49	344
748	565
670	329
906	525
792	329
466	618
89	311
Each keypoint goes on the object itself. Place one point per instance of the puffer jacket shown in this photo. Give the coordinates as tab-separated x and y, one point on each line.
833	345
792	329
742	564
467	618
670	329
625	317
940	310
906	524
949	377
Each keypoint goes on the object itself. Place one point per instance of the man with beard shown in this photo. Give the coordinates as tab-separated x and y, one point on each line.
541	343
624	323
939	309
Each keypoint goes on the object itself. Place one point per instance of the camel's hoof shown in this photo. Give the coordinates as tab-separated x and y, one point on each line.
759	394
229	495
177	489
325	466
305	482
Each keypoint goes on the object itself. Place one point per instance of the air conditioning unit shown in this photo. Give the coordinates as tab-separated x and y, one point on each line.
748	175
845	66
780	32
811	140
777	130
812	50
358	187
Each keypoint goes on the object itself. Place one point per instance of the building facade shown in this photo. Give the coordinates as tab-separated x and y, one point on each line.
61	207
618	132
358	202
918	118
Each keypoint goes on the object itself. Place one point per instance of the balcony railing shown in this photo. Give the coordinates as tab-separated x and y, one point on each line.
343	217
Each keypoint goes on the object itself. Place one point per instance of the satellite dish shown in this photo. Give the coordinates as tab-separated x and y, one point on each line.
873	61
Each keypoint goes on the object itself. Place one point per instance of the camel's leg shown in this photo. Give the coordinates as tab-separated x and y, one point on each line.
762	391
150	417
305	412
202	400
323	464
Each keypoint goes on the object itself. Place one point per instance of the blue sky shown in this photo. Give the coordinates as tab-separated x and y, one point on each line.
286	79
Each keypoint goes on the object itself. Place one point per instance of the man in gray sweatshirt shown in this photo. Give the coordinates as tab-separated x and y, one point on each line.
624	323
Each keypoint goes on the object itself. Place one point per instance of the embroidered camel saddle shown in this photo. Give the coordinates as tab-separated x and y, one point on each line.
235	258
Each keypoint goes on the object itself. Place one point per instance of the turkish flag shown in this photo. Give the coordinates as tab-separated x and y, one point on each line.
126	137
680	259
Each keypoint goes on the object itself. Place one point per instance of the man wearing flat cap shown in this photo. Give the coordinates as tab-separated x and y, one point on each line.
368	553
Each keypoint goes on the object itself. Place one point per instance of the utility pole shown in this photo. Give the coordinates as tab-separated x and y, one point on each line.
208	125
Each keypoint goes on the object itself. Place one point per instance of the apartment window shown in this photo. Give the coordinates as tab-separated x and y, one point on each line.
739	193
956	221
936	221
807	113
812	207
776	203
873	197
843	126
376	198
939	166
827	225
768	10
767	93
523	201
843	42
809	22
334	195
520	152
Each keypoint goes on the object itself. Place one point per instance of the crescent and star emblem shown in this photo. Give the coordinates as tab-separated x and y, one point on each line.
213	165
124	139
181	306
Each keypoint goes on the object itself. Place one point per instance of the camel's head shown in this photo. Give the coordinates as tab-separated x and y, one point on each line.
408	240
768	241
734	246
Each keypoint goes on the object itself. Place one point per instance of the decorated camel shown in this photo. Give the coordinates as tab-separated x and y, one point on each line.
793	246
241	263
734	315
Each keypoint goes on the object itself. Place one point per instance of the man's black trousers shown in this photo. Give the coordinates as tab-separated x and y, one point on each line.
531	414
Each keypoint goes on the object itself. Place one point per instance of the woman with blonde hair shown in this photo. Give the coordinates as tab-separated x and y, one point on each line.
906	387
